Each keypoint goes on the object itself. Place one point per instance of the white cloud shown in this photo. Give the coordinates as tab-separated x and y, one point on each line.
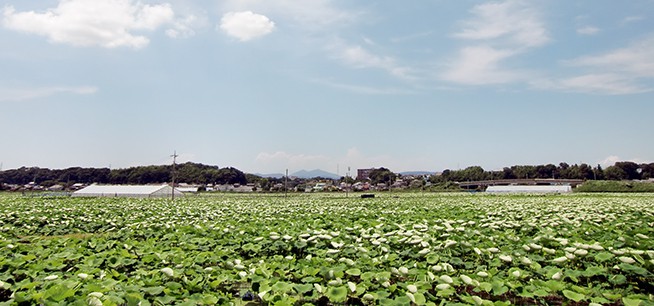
107	23
499	31
588	30
631	19
183	27
607	83
611	160
283	160
23	94
366	90
480	65
621	71
246	25
360	57
308	15
513	22
634	60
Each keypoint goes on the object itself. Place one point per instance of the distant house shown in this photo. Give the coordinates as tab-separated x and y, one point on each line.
364	174
127	191
530	189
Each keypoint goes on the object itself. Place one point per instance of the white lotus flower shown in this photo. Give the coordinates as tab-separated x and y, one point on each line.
368	297
466	279
557	275
549	251
424	251
447	279
208	269
493	250
516	273
51	277
352	286
242	274
10	246
95	294
642	236
318	288
478	300
411	297
168	271
83	275
94	301
450	243
525	260
482	274
442	286
506	258
581	252
403	270
627	260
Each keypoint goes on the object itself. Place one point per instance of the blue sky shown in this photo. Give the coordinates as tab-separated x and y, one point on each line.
268	85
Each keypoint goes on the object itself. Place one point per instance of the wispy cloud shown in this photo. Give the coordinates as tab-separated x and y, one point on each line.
357	56
630	19
512	22
481	65
308	15
109	24
617	72
276	161
366	90
498	31
611	160
23	94
246	25
587	30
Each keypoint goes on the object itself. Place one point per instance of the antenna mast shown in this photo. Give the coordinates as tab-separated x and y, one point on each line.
174	156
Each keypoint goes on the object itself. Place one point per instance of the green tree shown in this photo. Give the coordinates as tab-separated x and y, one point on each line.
615	173
382	175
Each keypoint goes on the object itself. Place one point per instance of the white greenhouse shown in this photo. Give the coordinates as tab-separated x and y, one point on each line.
530	189
127	191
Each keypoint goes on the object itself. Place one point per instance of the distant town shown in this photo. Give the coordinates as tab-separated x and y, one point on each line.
194	177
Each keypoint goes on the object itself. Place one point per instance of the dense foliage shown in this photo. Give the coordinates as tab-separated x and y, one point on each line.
322	249
615	186
619	171
192	173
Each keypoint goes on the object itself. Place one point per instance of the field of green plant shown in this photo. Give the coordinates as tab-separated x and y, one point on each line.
421	249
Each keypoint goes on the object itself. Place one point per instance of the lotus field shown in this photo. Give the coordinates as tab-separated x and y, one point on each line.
326	249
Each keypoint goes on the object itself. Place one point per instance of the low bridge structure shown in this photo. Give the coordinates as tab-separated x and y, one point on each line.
486	183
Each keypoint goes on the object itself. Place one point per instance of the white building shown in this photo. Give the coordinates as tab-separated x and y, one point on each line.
530	189
127	191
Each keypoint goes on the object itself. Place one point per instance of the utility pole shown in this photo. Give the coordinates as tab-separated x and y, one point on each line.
174	156
347	176
285	183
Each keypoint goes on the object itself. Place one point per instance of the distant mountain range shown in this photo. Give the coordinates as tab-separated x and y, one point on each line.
304	174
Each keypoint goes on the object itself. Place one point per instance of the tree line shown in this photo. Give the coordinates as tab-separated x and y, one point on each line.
195	173
192	173
624	170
